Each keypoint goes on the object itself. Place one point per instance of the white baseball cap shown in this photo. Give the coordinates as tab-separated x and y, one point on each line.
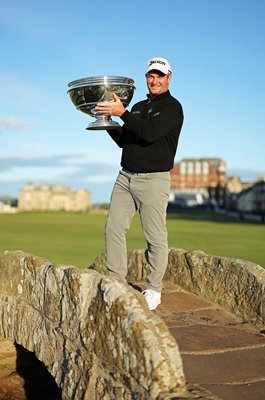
160	64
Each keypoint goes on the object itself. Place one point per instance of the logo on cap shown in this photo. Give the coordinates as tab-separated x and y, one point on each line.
156	62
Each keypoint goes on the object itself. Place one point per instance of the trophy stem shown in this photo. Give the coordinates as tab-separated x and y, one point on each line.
103	122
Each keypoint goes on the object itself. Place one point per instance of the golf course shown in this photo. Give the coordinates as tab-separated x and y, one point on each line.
78	238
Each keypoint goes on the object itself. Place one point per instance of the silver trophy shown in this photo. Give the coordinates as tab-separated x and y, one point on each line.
87	92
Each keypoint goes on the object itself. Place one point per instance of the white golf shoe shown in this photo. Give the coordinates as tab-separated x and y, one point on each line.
152	298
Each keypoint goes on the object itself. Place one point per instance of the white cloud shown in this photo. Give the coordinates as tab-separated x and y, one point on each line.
74	170
101	178
14	124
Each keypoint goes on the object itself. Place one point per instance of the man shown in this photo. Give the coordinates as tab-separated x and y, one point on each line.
149	139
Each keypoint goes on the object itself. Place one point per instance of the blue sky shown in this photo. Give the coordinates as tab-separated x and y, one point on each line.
216	50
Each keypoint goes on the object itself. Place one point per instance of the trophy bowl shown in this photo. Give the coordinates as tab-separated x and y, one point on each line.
87	92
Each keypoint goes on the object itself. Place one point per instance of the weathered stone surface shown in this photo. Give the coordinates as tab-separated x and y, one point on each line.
228	367
236	285
210	339
99	341
219	351
95	334
249	391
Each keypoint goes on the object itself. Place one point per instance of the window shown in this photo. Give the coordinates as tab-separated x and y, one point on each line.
197	168
182	168
205	168
190	168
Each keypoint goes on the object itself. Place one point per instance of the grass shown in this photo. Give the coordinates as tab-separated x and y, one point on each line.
77	239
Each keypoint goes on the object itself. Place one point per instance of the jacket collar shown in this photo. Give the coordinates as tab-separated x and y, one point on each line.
160	96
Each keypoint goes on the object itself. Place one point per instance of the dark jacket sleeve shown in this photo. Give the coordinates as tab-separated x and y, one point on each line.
168	119
116	135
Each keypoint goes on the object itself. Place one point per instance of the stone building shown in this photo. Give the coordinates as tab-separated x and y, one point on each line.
6	208
53	198
252	199
233	189
205	178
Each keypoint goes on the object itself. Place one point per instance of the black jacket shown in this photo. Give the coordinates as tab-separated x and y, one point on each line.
149	136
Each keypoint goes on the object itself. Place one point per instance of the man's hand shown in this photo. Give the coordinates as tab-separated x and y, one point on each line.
111	108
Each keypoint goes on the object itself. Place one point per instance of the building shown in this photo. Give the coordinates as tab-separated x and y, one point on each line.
203	177
233	189
6	208
252	199
53	198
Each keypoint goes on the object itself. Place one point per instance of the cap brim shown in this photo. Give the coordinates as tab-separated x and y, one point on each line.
156	70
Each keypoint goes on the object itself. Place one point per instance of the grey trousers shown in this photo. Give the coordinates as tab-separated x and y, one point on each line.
148	194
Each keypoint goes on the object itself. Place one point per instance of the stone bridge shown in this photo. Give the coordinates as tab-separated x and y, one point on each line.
95	334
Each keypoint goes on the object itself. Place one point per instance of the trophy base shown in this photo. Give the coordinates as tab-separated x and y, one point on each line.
102	124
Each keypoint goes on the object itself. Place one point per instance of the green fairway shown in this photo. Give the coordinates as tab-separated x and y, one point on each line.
77	239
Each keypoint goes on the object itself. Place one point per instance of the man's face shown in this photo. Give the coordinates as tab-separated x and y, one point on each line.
157	82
